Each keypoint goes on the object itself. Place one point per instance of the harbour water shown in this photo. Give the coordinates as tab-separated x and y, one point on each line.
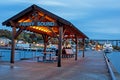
19	54
114	58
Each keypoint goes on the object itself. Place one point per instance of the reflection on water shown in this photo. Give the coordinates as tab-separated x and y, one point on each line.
114	57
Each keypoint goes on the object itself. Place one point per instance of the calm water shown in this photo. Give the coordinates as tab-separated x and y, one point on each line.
114	58
19	54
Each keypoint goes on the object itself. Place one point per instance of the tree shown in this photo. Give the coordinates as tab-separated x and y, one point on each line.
5	33
25	36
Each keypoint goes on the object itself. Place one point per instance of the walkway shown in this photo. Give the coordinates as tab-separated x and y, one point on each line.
92	67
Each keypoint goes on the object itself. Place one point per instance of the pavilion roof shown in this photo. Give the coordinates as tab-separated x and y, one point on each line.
35	13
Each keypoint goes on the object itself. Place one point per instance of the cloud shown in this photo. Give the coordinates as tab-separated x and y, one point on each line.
8	2
103	36
93	17
53	3
39	2
106	26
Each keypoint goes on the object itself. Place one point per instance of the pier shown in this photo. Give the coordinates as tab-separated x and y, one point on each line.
92	67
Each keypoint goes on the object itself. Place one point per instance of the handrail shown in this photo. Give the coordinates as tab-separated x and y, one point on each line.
109	68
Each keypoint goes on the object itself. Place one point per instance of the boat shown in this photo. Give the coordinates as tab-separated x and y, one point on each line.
107	48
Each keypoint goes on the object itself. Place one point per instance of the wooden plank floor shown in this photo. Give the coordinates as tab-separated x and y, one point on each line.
92	67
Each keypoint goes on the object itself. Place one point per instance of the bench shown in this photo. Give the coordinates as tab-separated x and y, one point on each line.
68	53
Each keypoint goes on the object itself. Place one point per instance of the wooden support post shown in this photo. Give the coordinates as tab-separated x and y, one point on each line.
13	45
54	34
83	48
45	46
45	38
60	45
19	32
76	53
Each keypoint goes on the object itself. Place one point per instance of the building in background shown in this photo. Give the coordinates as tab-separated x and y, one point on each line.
4	41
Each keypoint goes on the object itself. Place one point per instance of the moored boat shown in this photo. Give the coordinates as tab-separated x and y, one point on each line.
107	48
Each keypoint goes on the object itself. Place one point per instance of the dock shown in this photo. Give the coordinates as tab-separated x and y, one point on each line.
91	67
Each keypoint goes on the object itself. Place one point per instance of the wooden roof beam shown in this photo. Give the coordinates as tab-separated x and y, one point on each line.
37	31
19	31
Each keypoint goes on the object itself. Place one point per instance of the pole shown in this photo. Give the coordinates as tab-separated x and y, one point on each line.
76	53
13	45
83	48
45	38
60	45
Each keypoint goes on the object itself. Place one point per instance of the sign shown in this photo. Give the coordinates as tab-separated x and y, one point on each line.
36	24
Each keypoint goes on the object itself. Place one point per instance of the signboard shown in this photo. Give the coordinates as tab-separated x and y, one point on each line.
36	24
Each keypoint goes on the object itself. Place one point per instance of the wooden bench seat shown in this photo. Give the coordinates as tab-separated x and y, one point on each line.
67	53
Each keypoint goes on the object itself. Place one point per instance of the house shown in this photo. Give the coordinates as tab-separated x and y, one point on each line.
4	41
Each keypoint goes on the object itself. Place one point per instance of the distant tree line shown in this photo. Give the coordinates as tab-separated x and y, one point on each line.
25	36
5	33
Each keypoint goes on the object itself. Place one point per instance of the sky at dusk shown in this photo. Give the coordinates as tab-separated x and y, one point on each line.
98	19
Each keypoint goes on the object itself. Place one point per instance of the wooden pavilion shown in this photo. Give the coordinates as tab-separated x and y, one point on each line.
38	20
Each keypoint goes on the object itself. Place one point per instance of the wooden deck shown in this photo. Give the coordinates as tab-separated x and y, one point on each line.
92	67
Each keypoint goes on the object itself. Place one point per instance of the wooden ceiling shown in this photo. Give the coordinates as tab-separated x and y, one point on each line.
37	14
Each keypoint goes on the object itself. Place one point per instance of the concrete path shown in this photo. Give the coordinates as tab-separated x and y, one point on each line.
92	67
